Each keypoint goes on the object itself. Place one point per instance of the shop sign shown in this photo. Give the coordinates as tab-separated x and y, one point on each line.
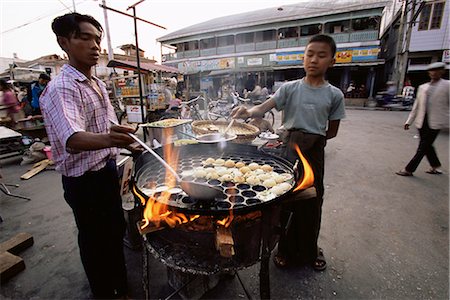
295	57
206	65
344	56
365	54
255	61
446	56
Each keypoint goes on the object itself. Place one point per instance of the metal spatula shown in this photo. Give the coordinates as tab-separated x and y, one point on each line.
195	190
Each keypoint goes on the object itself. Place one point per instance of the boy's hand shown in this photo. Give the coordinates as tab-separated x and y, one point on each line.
240	112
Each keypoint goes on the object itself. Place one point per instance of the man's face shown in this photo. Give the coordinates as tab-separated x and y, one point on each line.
436	74
83	49
317	58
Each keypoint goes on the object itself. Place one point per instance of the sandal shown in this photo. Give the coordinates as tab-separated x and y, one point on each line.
434	171
404	173
320	263
280	261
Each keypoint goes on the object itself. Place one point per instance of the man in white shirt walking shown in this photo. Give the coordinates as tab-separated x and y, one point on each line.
430	114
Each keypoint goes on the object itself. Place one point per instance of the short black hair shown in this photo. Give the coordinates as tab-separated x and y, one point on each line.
323	38
69	24
44	76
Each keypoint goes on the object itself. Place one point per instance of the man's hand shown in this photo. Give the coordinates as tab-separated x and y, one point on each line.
406	127
119	135
240	112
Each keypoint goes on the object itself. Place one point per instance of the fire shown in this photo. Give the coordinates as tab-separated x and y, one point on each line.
226	222
308	174
156	211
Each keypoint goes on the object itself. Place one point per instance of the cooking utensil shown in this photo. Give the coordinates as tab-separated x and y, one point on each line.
196	190
229	126
211	138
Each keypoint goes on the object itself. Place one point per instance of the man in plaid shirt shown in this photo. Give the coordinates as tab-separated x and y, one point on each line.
77	114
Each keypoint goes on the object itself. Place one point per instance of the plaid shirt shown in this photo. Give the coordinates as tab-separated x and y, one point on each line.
70	104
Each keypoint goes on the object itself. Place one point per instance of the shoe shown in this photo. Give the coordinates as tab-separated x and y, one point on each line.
404	173
280	261
434	171
320	263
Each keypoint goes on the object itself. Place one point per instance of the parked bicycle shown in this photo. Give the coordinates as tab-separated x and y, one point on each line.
221	109
187	110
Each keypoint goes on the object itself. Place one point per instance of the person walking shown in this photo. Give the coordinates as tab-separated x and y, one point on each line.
77	114
312	110
430	114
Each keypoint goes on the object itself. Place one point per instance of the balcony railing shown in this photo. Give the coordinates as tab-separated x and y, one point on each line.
361	36
358	36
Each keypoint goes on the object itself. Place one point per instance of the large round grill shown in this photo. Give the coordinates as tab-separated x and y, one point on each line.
151	175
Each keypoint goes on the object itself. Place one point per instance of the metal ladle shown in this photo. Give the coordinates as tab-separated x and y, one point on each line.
195	190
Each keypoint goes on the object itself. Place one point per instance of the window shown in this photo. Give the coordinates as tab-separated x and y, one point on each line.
245	38
370	23
264	36
208	43
223	41
337	27
288	33
438	10
425	17
310	29
193	45
180	47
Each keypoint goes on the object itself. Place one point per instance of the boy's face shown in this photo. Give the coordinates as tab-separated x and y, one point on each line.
317	59
83	49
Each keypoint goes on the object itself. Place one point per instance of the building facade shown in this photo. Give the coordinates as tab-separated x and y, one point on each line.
429	38
267	46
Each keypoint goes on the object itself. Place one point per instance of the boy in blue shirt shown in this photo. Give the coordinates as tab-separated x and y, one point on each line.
312	110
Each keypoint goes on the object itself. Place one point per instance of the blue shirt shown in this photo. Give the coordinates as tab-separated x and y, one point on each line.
308	108
36	91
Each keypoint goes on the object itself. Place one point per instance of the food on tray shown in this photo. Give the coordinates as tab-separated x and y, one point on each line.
166	123
267	168
200	173
209	161
245	170
184	142
219	162
239	164
253	166
268	183
229	163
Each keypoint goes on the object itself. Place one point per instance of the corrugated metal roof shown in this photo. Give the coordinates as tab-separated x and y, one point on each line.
303	10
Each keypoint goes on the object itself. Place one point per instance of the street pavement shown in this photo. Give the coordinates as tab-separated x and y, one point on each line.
384	236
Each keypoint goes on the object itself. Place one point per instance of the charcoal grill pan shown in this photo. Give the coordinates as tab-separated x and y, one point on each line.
244	198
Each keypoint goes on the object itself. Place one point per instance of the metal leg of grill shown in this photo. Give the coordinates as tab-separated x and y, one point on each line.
264	276
243	286
146	270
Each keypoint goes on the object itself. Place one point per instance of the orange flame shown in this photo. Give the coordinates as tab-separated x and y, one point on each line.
308	174
156	211
226	222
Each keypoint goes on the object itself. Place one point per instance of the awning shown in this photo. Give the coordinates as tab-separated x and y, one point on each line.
145	66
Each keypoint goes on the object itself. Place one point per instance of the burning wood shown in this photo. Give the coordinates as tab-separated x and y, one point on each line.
224	241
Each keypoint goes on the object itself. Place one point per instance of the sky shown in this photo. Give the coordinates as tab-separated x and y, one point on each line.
25	24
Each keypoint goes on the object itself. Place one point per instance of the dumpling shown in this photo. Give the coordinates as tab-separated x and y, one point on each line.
267	168
277	190
239	179
229	163
264	176
209	170
279	178
200	173
284	186
226	177
239	164
244	170
269	183
209	161
222	172
253	166
212	175
253	180
219	162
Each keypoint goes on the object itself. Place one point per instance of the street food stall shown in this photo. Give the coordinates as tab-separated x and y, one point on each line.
126	89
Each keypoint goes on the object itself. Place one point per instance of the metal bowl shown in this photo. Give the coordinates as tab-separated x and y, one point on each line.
211	138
